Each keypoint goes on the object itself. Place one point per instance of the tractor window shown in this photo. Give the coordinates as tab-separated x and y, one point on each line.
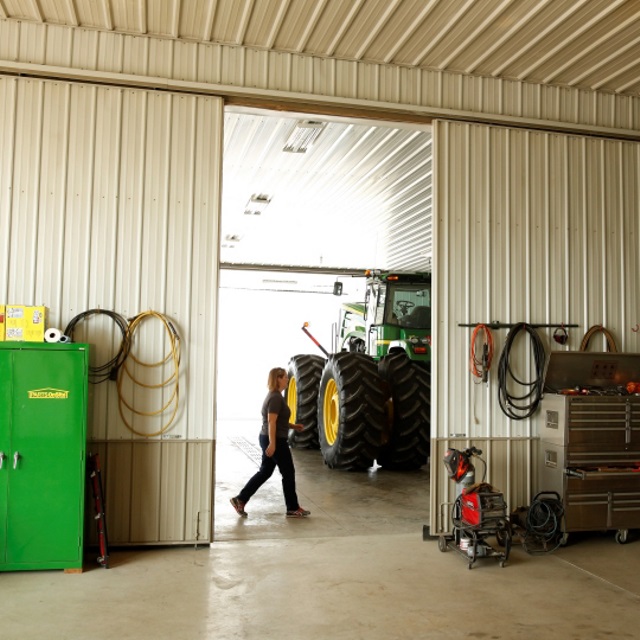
382	296
374	311
409	305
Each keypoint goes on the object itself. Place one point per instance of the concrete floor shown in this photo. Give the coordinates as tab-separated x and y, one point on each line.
357	568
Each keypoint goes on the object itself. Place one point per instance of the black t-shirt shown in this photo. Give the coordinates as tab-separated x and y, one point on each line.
275	403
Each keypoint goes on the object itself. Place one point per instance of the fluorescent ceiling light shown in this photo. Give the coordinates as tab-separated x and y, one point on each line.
304	134
258	202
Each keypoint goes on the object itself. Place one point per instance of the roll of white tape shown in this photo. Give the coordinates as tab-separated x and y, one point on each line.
52	335
64	339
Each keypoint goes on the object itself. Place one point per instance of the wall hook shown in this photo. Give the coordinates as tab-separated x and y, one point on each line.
636	328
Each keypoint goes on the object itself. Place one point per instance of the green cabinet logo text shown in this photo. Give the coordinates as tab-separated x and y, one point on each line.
48	394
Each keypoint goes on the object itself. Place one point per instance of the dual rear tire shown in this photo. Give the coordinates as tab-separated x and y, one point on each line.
351	412
304	373
357	411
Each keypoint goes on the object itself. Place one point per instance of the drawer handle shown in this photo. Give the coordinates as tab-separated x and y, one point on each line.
16	457
2	458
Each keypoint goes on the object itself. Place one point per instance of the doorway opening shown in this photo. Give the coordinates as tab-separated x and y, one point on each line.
358	197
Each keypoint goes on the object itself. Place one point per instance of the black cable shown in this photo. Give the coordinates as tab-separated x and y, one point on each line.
543	527
108	370
524	406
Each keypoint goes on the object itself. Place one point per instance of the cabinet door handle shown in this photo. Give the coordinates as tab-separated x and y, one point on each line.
16	457
2	458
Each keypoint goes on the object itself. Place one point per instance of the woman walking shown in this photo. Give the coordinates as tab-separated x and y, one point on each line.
275	449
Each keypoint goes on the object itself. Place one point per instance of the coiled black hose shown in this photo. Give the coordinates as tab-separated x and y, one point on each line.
543	528
524	406
108	370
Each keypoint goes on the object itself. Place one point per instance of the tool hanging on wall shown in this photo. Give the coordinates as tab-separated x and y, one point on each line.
561	336
109	369
480	366
598	328
519	407
172	358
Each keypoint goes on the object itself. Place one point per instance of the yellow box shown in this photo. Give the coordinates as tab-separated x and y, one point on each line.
24	323
1	323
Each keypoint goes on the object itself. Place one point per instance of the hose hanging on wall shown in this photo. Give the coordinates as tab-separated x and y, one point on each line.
479	367
524	406
108	370
172	381
598	328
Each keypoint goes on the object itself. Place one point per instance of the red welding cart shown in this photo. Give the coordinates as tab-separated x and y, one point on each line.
479	513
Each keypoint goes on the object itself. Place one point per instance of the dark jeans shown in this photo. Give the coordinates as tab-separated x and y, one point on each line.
281	459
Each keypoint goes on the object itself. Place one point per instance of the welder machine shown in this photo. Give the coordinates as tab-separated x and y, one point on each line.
478	514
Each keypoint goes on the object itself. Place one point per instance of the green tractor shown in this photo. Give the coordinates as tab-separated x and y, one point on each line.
369	400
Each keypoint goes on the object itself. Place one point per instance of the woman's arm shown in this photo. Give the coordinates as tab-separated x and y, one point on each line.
270	450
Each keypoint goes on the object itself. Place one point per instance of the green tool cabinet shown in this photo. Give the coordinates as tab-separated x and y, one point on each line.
43	432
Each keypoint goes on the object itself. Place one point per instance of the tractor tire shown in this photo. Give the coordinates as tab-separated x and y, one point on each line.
351	412
409	441
302	397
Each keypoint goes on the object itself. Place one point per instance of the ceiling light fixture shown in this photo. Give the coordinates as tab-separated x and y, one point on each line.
258	202
304	134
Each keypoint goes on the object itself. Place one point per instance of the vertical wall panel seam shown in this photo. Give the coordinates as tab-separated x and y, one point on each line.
11	185
506	213
566	232
117	210
467	257
621	240
289	72
91	188
603	236
116	225
191	223
140	213
64	181
488	280
242	63
166	205
36	195
528	266
585	233
547	223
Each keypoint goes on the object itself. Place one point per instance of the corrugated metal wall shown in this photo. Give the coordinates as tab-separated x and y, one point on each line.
528	226
109	198
240	70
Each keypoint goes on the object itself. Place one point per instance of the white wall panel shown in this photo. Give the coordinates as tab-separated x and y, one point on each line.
109	199
84	49
215	69
529	227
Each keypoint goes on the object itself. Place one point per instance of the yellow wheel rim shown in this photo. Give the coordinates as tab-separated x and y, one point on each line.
292	395
331	411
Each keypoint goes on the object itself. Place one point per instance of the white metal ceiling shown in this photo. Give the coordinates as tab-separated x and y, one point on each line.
359	197
362	195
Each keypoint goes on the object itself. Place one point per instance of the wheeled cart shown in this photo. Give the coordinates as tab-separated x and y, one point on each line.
478	513
477	516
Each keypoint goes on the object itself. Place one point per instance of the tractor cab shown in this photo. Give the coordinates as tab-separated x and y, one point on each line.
395	316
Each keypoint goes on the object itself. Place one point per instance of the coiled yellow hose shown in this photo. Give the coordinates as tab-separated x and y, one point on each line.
173	356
